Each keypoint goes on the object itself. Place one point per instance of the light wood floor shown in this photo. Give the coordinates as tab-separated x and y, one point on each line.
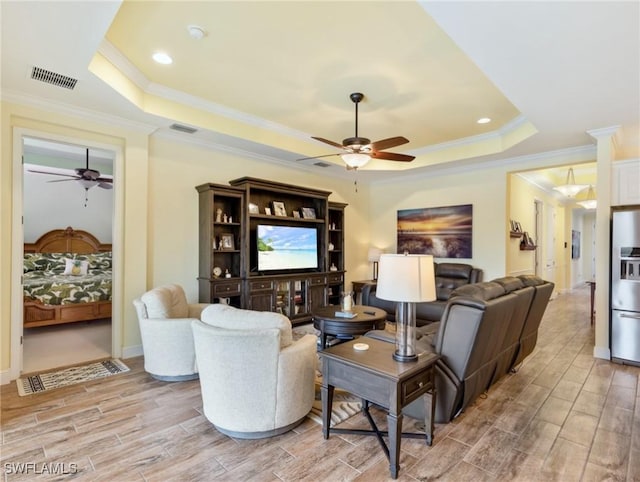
564	416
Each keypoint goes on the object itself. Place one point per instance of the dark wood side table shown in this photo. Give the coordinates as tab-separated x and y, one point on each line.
367	318
359	285
376	377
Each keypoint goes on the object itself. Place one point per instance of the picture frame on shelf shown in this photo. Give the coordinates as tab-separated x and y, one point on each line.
253	208
227	242
279	209
308	213
296	214
267	211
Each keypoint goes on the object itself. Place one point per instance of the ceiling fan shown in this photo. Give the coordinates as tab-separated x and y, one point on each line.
359	150
87	177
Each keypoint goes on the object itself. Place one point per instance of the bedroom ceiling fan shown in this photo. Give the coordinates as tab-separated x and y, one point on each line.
357	151
84	175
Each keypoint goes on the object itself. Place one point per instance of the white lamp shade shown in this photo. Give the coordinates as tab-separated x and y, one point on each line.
355	159
406	278
88	183
374	254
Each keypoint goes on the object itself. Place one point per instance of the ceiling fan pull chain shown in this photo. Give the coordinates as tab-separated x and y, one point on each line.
86	196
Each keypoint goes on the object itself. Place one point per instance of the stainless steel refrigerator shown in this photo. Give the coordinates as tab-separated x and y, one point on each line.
625	285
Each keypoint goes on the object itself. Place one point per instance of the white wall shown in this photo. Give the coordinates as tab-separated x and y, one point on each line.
56	205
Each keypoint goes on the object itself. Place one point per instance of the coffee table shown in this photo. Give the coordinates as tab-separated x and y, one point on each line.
367	318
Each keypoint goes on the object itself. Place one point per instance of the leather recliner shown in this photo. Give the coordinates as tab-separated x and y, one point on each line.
486	329
448	277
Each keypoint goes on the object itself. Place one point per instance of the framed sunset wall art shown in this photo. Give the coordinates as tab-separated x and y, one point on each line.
443	232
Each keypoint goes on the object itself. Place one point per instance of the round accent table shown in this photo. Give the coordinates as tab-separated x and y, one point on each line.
367	318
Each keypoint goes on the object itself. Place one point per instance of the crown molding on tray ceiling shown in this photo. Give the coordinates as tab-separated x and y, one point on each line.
517	127
113	55
75	111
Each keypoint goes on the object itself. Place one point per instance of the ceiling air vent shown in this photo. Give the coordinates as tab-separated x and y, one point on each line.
321	164
181	128
53	78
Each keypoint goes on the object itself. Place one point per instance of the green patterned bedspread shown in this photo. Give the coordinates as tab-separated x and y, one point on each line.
43	279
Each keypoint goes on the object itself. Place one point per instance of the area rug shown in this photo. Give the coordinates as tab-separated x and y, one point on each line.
344	405
69	376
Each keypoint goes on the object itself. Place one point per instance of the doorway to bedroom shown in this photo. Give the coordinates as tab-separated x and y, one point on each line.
67	186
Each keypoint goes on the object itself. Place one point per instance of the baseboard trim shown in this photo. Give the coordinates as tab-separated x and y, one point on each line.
5	377
132	351
602	352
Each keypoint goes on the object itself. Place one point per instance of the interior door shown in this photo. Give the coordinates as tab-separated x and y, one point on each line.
549	247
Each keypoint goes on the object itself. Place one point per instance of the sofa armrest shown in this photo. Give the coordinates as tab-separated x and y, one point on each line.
476	276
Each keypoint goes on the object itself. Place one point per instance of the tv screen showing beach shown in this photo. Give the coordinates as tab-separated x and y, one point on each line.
286	247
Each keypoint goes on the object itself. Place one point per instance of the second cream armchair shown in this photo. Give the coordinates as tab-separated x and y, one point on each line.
256	382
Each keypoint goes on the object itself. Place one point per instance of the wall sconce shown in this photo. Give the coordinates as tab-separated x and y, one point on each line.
570	188
374	257
407	279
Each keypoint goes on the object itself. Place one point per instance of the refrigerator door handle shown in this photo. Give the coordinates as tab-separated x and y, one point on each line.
627	315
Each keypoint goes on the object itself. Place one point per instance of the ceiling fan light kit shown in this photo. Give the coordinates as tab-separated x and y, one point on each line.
86	177
358	151
355	160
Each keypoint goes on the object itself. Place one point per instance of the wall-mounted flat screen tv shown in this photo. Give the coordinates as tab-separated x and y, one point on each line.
286	247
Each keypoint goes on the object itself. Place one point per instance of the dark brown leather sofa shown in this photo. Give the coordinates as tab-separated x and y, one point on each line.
486	330
448	276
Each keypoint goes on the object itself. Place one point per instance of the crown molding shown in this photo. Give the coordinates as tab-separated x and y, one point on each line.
509	127
74	111
113	55
549	158
211	145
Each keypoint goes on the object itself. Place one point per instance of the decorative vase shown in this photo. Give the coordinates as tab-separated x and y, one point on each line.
346	301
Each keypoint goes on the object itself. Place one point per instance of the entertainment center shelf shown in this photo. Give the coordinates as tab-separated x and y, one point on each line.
270	246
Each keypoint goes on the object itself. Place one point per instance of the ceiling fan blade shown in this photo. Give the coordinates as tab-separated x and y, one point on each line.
388	143
104	179
105	185
53	173
317	157
331	143
392	156
64	180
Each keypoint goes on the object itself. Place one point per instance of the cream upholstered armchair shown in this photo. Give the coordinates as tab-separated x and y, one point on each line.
165	326
256	382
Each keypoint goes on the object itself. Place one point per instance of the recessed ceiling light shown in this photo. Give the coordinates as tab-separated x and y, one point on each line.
162	58
483	120
196	32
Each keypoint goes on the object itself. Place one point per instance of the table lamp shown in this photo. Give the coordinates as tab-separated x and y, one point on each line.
374	256
407	279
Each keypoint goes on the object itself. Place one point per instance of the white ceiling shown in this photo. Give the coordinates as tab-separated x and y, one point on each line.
269	75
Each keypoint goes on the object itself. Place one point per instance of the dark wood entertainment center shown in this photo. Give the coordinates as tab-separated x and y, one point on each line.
228	219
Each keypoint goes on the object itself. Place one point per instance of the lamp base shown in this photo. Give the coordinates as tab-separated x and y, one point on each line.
404	358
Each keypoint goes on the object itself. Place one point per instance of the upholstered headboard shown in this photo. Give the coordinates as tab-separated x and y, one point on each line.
67	241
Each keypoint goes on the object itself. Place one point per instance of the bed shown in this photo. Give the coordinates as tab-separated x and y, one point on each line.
67	277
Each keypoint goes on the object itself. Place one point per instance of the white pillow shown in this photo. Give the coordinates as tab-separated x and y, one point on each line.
76	267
